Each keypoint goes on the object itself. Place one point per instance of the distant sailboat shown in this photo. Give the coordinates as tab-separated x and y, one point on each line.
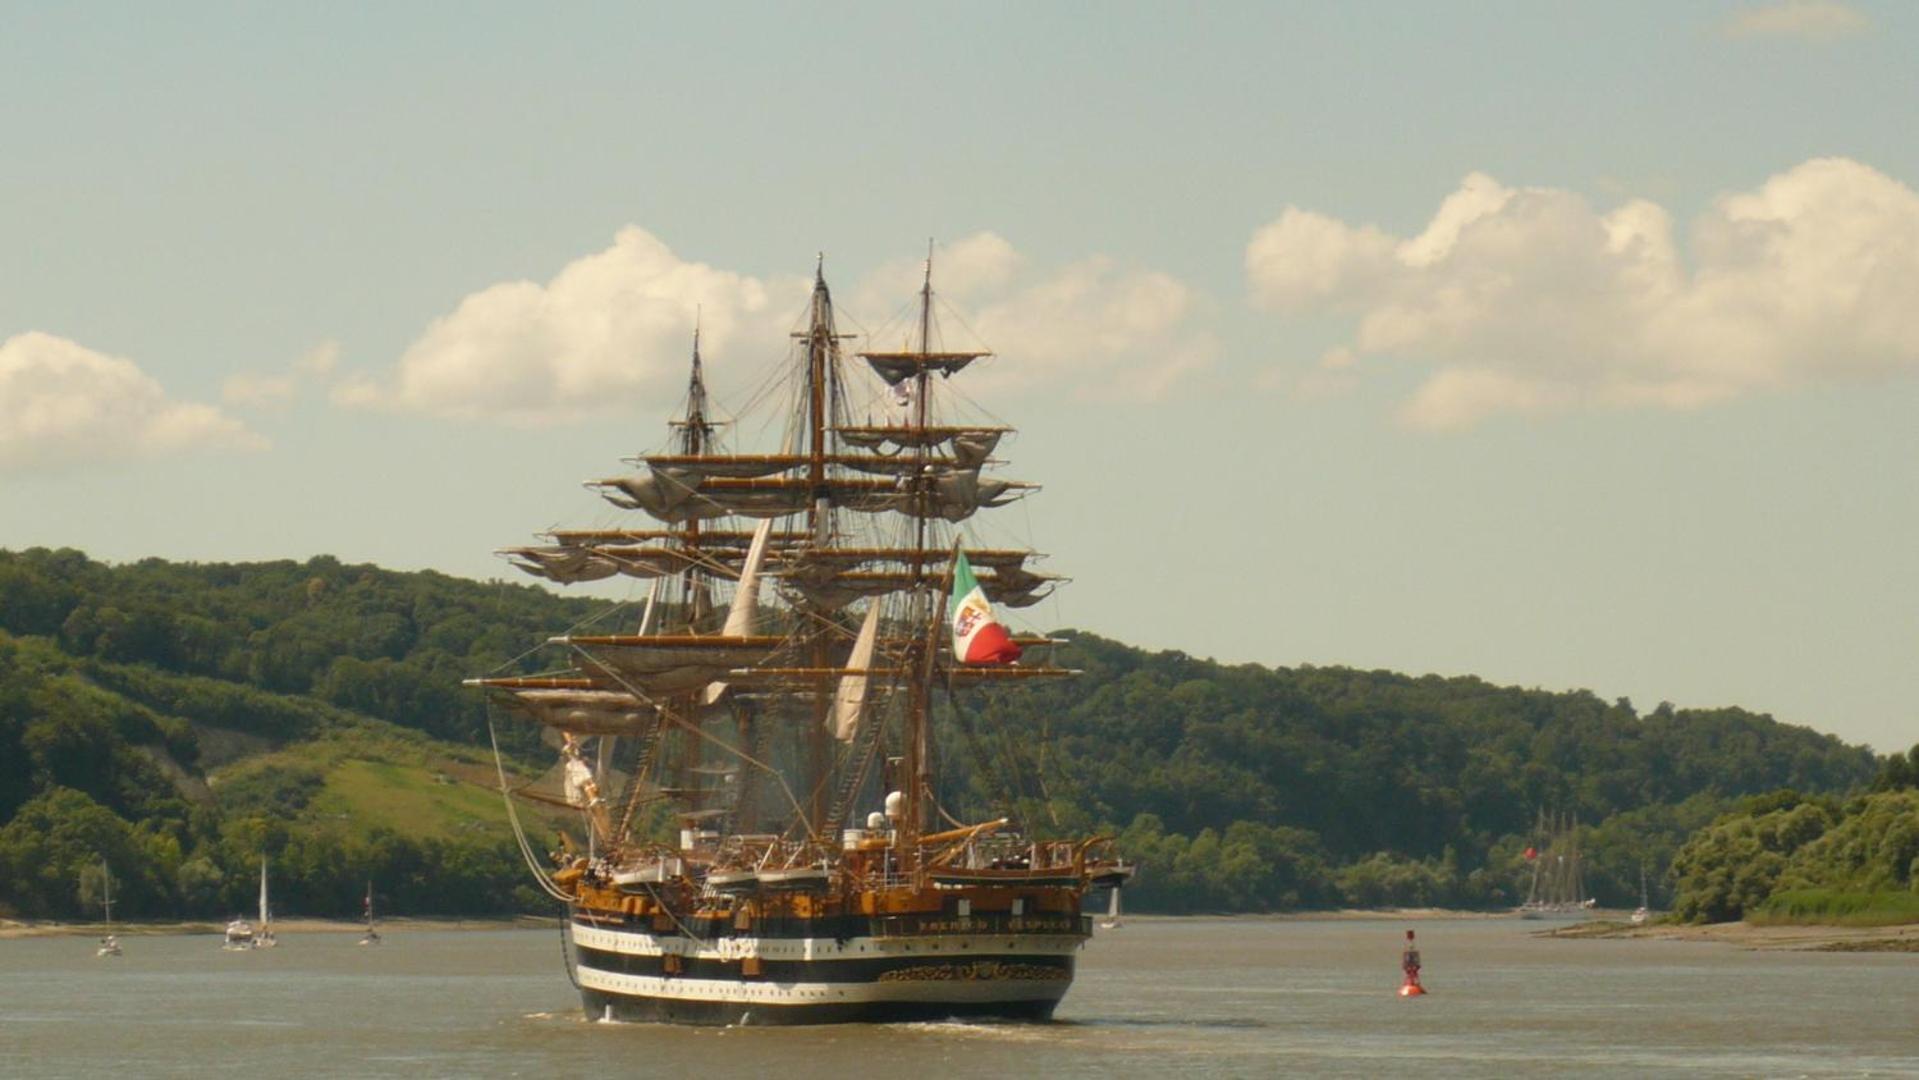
1558	884
1111	921
264	939
372	936
1644	910
243	935
109	945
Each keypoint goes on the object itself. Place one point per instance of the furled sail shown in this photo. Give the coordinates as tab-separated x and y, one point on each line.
584	712
562	564
827	590
896	367
661	664
682	494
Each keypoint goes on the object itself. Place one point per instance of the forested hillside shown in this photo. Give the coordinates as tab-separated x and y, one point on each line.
1791	857
1245	787
179	719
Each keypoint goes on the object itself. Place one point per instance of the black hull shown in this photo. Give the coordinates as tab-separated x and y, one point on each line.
625	1009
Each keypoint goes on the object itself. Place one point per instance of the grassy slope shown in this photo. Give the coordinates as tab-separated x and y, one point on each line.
383	777
1836	907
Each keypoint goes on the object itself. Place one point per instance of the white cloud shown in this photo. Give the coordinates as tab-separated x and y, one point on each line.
610	331
1530	300
249	390
1814	19
62	404
1102	327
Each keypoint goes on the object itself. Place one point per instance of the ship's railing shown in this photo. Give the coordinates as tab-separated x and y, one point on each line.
1017	853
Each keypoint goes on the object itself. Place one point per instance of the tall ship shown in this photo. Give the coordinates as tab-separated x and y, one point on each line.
752	753
1558	887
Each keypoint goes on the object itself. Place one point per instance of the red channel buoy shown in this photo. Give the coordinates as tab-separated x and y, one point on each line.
1409	963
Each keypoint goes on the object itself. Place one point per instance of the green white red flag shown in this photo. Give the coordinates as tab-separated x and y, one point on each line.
978	637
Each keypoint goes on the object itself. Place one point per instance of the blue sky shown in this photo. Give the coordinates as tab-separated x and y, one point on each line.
1559	344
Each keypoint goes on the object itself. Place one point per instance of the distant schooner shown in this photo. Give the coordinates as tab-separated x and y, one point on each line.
816	877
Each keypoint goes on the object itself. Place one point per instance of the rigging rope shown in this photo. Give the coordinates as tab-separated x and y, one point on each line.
513	817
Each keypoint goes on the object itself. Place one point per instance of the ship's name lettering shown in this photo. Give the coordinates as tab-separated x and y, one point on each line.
1025	924
978	971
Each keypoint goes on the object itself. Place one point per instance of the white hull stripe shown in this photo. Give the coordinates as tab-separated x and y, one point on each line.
802	949
944	991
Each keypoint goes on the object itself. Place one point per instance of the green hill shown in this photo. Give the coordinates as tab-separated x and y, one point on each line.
180	719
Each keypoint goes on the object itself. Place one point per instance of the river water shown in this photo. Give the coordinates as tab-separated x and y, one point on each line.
1192	997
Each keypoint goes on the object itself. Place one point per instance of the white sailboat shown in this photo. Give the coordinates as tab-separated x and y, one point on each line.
264	939
1111	921
109	945
1644	911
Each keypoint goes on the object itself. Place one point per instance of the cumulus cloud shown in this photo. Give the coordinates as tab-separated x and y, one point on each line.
1096	325
611	330
1812	19
252	390
1531	300
63	404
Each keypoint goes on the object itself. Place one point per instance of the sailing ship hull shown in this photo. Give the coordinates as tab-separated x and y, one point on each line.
836	972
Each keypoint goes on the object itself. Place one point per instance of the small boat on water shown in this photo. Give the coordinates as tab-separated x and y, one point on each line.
109	946
1644	911
1111	921
239	935
242	935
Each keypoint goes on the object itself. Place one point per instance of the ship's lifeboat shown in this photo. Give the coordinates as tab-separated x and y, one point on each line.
733	880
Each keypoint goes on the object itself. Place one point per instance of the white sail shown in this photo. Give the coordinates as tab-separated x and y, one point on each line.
263	892
739	618
746	598
850	700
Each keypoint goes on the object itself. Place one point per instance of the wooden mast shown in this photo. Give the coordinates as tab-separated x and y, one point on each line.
694	439
918	759
819	345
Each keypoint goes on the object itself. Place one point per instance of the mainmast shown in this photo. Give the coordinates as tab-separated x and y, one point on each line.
918	763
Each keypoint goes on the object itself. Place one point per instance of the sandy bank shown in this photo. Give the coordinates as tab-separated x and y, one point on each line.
1746	935
10	928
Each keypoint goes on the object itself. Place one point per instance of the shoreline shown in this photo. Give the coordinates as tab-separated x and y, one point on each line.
32	928
21	928
1767	938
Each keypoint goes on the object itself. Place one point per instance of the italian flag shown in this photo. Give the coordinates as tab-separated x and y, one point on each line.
978	637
